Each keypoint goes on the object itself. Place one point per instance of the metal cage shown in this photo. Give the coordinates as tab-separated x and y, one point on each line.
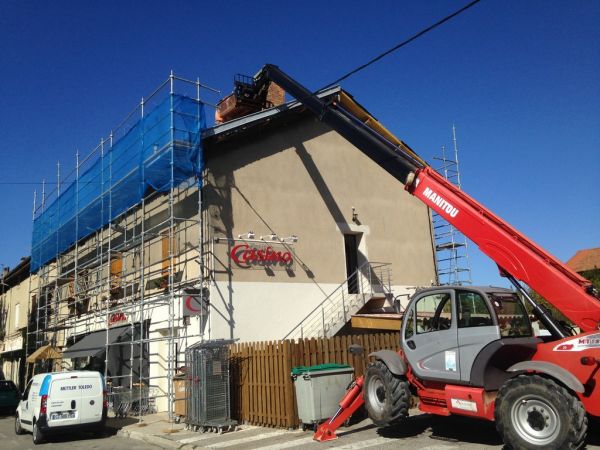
208	398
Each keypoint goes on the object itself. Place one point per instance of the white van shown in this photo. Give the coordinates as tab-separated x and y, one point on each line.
62	401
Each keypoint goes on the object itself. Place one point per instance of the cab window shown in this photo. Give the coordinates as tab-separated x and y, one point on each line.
512	316
473	310
409	329
433	313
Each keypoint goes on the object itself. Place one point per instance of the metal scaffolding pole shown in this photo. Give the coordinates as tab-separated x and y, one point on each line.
171	266
109	268
452	257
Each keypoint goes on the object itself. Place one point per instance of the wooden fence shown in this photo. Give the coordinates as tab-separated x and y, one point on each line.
261	386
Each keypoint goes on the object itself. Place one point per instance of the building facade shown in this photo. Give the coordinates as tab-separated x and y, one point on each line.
290	213
14	305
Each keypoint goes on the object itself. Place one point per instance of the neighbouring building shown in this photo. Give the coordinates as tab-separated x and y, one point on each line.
295	232
587	264
14	289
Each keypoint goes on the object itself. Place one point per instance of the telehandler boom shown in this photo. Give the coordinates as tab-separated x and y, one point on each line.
471	350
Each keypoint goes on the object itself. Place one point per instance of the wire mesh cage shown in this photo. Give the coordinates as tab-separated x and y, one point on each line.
208	391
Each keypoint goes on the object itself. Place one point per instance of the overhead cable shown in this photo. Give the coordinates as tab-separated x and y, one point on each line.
405	42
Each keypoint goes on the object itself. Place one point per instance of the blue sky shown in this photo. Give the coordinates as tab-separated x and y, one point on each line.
519	79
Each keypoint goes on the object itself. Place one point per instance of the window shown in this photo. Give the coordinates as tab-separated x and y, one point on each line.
434	313
473	311
168	251
17	315
409	330
26	393
512	316
116	271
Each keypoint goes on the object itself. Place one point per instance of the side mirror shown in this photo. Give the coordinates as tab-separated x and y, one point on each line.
356	349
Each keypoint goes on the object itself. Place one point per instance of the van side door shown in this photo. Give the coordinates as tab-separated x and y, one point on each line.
25	412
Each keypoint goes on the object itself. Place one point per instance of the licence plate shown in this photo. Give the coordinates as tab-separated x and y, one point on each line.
62	415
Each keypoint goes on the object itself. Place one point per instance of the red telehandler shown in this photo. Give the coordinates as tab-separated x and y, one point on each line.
471	350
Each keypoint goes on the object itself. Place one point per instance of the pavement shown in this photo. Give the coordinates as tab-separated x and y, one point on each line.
420	431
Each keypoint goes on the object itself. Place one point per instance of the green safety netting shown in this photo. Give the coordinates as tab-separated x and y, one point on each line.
135	165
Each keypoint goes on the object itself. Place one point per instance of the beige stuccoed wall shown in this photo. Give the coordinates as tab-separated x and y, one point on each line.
304	179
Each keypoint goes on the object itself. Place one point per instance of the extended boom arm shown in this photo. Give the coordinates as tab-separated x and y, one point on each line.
510	249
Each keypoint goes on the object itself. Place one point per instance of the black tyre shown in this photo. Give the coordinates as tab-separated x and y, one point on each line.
533	412
387	396
18	428
38	436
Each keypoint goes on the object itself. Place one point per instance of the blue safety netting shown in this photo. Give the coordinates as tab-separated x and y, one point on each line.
135	165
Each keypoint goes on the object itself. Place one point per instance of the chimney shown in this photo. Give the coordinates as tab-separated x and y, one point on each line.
249	96
275	95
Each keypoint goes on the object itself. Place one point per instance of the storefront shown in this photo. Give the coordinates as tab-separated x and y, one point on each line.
11	355
119	351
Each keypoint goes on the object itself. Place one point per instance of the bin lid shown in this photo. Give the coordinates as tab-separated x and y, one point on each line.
299	370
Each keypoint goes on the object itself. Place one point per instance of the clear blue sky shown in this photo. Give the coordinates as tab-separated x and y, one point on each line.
521	81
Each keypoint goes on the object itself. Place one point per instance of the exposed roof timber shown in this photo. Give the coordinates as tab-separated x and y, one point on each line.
352	106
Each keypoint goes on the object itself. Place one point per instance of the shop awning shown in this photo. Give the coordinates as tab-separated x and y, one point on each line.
94	343
44	352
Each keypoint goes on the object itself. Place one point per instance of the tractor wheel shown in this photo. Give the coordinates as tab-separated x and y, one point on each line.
387	396
533	412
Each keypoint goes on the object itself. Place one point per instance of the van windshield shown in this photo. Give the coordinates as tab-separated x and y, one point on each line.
512	316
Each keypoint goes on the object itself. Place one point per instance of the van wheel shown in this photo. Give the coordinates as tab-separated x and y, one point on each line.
38	436
533	412
387	396
18	428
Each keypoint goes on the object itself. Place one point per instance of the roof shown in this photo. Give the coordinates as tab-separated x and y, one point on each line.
19	273
588	259
345	100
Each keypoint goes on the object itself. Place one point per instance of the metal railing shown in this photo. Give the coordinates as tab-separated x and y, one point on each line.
369	280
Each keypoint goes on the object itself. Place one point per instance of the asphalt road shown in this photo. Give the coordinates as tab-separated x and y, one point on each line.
90	441
423	431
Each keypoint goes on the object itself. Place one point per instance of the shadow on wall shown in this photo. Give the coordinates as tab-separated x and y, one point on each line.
227	157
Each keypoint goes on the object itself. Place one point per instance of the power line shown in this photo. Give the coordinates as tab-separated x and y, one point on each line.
342	78
405	42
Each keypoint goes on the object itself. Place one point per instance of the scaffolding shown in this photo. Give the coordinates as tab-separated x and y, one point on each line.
452	255
118	243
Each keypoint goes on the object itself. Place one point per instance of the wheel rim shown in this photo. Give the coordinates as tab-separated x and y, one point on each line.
376	394
17	424
535	419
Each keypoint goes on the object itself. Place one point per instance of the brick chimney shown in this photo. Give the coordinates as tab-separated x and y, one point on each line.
248	97
275	95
